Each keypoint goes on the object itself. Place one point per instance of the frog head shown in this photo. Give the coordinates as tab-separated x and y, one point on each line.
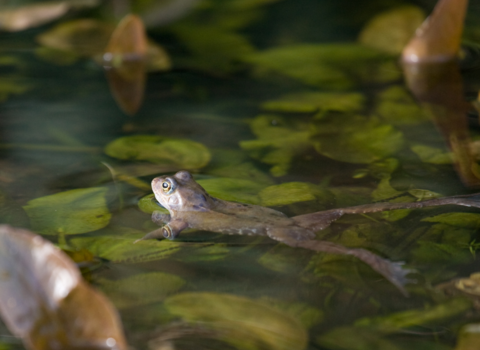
180	192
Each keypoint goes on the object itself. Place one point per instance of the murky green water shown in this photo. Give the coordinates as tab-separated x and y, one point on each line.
277	94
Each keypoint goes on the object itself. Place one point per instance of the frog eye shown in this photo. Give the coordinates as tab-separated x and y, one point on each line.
166	186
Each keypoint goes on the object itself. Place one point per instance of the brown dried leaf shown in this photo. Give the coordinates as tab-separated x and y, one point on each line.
438	38
44	300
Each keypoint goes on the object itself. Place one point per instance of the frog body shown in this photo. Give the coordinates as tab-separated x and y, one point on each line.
190	206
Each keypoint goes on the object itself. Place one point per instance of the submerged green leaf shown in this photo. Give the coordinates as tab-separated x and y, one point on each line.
328	66
409	318
432	155
282	258
141	289
279	140
396	106
466	220
244	323
356	139
70	212
119	246
309	102
183	153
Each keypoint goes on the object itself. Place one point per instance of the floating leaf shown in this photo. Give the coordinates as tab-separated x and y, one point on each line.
237	190
32	15
44	300
183	153
210	252
292	192
391	30
244	323
70	212
409	318
119	246
396	106
432	155
309	102
466	220
328	66
306	314
141	289
356	139
279	140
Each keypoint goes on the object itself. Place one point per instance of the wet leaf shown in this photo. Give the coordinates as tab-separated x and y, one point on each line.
328	66
385	191
309	102
70	212
244	323
396	106
391	30
31	15
141	289
292	192
409	318
44	300
210	252
465	220
119	246
432	155
355	338
427	252
183	153
237	190
279	141
356	139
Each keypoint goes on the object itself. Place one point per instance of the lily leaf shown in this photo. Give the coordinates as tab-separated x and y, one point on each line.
432	155
245	323
391	30
466	220
155	286
409	318
396	106
183	153
70	212
119	246
237	190
279	140
328	66
292	192
356	139
44	300
308	102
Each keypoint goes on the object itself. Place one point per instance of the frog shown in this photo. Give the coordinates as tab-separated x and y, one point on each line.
190	206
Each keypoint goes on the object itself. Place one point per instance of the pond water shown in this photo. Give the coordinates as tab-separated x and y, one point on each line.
271	103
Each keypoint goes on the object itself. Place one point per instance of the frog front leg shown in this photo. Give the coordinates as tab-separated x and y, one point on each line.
159	218
170	230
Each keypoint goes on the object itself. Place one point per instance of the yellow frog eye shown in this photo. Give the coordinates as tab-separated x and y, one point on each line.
166	186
